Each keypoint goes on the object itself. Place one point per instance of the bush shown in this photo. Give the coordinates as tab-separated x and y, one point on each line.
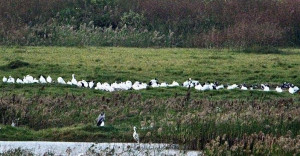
89	35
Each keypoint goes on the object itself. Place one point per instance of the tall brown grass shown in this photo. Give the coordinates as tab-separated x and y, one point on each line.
196	123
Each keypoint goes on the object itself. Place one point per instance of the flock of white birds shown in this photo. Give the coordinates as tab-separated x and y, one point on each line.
128	85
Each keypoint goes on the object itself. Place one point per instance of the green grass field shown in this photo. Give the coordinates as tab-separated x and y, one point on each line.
66	113
121	64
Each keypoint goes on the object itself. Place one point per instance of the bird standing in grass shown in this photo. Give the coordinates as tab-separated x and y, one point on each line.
135	135
11	80
19	81
49	79
243	87
100	119
42	79
61	80
265	87
4	79
278	89
73	81
293	89
91	84
13	124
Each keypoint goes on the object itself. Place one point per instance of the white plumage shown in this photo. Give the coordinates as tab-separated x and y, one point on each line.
28	79
265	88
234	86
49	79
120	86
206	87
13	124
174	84
19	81
278	89
73	81
136	135
91	84
164	84
60	80
220	87
293	89
69	83
42	79
4	79
244	87
10	80
85	84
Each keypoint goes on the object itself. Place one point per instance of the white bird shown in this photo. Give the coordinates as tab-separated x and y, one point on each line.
74	81
174	84
220	87
91	84
278	89
128	84
153	81
85	84
234	86
19	81
135	135
211	86
243	87
98	86
69	83
293	89
296	88
265	88
194	82
188	83
125	86
198	87
42	79
206	86
164	84
155	85
11	80
49	79
4	79
116	86
105	87
35	80
60	80
136	85
80	84
13	124
28	79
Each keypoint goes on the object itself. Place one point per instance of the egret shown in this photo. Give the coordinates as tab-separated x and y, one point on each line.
135	135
